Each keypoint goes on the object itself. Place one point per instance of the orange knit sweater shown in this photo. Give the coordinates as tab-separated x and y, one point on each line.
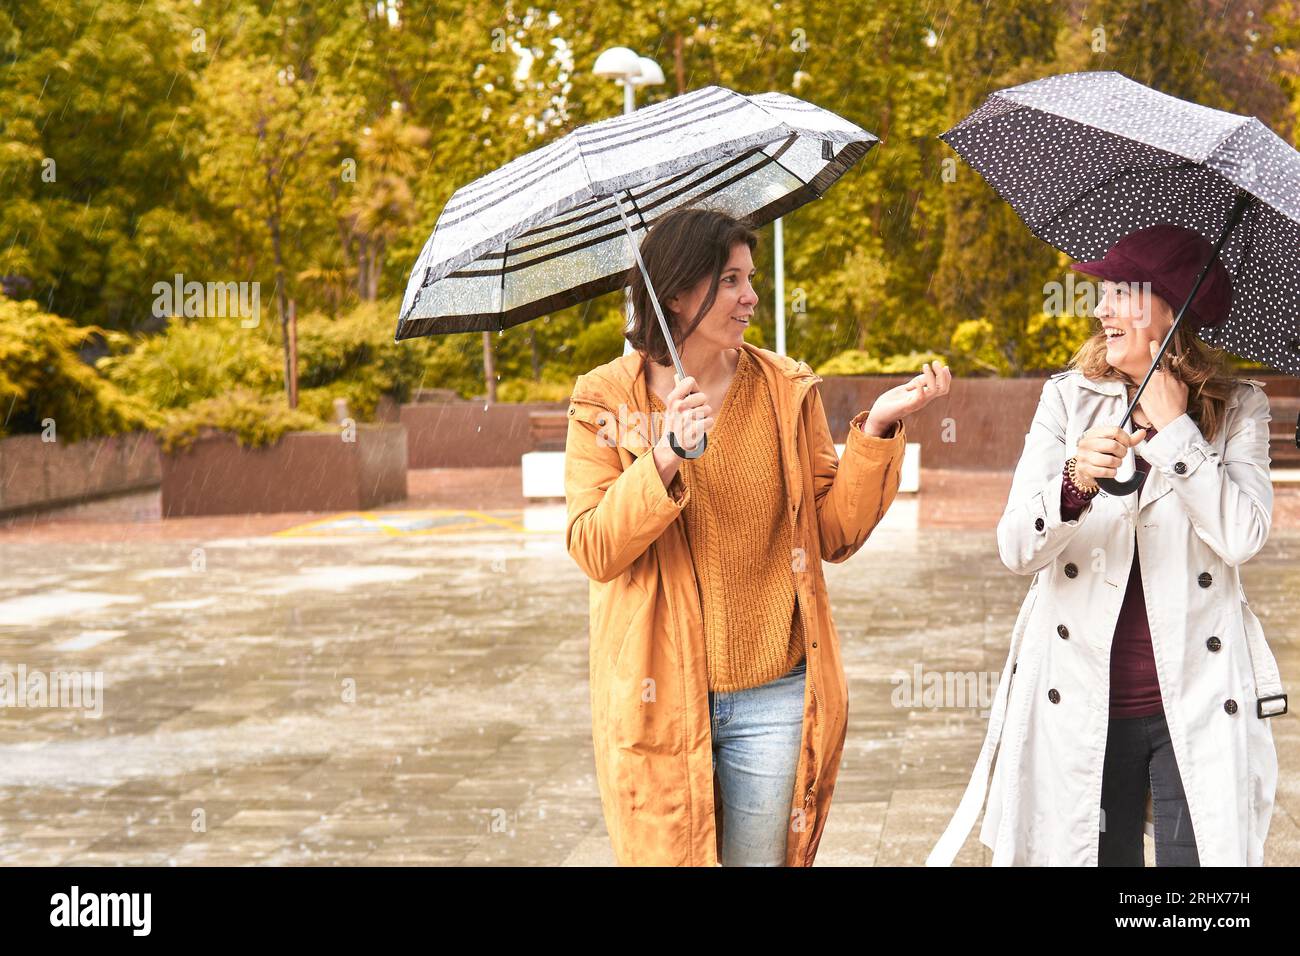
741	540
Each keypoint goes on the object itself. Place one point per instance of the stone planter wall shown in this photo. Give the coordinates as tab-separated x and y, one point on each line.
469	435
303	471
36	474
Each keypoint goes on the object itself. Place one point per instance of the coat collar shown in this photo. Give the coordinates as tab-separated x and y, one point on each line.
1103	386
623	381
1111	386
619	388
1156	485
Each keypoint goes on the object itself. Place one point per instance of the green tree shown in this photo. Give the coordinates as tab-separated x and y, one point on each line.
992	269
274	142
96	150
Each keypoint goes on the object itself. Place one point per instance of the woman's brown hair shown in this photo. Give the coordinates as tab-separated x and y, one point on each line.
681	248
1199	366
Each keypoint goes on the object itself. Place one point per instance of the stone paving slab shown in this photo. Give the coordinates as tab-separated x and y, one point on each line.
422	699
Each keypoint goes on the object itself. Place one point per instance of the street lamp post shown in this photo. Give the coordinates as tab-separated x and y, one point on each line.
623	66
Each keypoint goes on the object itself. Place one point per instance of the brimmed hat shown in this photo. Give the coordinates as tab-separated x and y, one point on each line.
1170	258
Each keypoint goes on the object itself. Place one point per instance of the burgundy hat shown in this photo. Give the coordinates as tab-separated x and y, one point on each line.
1170	258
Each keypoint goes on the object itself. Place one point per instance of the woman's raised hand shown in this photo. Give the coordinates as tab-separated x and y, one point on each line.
902	400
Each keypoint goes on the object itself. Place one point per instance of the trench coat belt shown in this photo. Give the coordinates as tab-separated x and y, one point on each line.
1270	699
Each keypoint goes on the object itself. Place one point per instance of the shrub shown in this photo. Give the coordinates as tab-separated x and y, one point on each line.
42	377
526	390
858	362
597	343
452	361
254	419
355	357
192	360
1050	340
352	357
975	350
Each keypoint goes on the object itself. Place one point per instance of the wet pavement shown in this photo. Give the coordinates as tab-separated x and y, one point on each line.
409	685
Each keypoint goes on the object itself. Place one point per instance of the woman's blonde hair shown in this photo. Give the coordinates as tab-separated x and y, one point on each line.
1201	367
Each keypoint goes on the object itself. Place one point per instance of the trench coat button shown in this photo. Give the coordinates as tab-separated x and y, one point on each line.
1014	666
1230	705
1214	643
1054	696
1205	579
1038	524
1063	631
1071	570
570	409
1180	468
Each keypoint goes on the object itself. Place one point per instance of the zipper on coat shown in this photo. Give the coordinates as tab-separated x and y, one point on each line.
803	616
812	683
811	677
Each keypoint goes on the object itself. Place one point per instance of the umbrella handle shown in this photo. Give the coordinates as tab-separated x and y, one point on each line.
1120	489
681	452
1114	486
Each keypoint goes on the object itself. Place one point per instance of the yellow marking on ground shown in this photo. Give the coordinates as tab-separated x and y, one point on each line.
504	522
383	523
384	528
299	528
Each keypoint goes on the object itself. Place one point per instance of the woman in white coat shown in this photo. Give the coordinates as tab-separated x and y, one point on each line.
1136	668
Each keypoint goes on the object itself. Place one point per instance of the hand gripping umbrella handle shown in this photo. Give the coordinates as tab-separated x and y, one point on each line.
681	452
1113	486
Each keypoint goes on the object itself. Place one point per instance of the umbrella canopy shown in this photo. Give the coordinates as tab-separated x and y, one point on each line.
1086	158
546	230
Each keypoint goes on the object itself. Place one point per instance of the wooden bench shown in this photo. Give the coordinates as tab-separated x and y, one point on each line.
548	430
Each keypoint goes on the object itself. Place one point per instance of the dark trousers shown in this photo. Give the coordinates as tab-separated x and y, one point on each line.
1139	755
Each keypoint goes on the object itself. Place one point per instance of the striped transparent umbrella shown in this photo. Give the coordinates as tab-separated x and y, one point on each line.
563	223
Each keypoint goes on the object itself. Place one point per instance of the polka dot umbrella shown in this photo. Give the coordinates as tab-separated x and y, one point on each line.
1086	158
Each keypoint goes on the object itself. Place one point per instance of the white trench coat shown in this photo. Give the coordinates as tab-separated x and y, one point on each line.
1204	509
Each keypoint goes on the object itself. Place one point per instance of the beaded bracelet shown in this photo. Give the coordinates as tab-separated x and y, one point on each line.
1065	473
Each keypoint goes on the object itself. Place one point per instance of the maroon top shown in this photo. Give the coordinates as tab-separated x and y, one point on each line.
1134	687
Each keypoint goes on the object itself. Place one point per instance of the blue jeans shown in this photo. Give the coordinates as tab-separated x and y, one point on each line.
756	734
1139	755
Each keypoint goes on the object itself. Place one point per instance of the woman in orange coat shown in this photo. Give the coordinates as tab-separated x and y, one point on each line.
718	697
